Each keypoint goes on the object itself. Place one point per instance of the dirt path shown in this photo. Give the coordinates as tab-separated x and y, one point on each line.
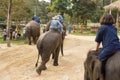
18	61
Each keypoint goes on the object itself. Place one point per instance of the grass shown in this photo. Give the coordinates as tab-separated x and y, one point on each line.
84	34
15	41
20	41
87	33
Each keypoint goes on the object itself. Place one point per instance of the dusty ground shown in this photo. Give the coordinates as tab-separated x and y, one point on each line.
18	62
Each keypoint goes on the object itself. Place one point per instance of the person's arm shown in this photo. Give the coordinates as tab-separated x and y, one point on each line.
99	38
60	24
97	46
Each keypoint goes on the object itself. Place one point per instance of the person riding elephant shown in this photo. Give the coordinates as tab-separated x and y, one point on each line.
60	27
92	66
32	29
107	35
56	24
60	19
47	44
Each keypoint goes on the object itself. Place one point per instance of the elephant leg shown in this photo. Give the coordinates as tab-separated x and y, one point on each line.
29	39
45	59
52	55
34	39
39	54
56	54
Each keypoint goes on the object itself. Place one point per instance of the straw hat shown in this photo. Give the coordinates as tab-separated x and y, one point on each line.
55	17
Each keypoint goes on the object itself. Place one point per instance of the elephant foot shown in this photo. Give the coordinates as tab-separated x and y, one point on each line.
36	64
34	42
38	71
29	43
44	68
55	64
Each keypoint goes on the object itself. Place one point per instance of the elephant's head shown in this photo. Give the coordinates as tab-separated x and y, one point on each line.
92	66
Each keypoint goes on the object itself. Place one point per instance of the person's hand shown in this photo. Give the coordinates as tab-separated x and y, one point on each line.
94	49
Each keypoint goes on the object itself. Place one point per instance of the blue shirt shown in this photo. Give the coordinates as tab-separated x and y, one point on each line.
107	34
55	24
36	19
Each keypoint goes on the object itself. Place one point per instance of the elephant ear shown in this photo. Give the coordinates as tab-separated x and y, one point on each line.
97	69
47	26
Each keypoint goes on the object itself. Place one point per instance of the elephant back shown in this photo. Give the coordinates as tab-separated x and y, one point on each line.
92	66
49	40
113	66
64	28
33	28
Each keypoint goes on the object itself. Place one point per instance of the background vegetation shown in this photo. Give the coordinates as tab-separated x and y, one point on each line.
74	12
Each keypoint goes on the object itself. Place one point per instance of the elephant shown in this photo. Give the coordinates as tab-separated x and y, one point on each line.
92	66
32	30
47	44
63	34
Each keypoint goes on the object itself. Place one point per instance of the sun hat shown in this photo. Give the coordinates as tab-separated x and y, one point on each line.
55	17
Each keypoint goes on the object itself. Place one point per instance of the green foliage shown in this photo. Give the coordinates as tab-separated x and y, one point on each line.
42	11
83	9
16	41
84	34
59	6
97	15
19	10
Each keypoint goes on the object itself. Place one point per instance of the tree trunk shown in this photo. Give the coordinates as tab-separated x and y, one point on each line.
9	23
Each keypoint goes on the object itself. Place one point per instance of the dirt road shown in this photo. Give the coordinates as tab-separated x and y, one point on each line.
18	62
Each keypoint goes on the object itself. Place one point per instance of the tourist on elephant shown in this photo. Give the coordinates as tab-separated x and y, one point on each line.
56	24
107	34
36	19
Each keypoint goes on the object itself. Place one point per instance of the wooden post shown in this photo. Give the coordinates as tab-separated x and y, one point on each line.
9	23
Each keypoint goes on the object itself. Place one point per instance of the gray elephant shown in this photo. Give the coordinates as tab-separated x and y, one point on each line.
92	66
32	30
63	34
47	44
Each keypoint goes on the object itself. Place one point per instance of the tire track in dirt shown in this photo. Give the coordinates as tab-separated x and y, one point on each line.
14	57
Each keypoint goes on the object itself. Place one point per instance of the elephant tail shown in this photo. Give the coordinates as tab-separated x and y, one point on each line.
40	43
40	49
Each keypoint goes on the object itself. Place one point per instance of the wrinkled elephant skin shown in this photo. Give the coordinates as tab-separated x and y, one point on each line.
47	44
32	31
92	66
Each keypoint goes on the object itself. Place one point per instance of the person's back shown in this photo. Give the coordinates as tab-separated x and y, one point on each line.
110	36
107	35
56	25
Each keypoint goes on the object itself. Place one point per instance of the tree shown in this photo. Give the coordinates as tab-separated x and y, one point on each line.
42	11
59	6
9	23
83	10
